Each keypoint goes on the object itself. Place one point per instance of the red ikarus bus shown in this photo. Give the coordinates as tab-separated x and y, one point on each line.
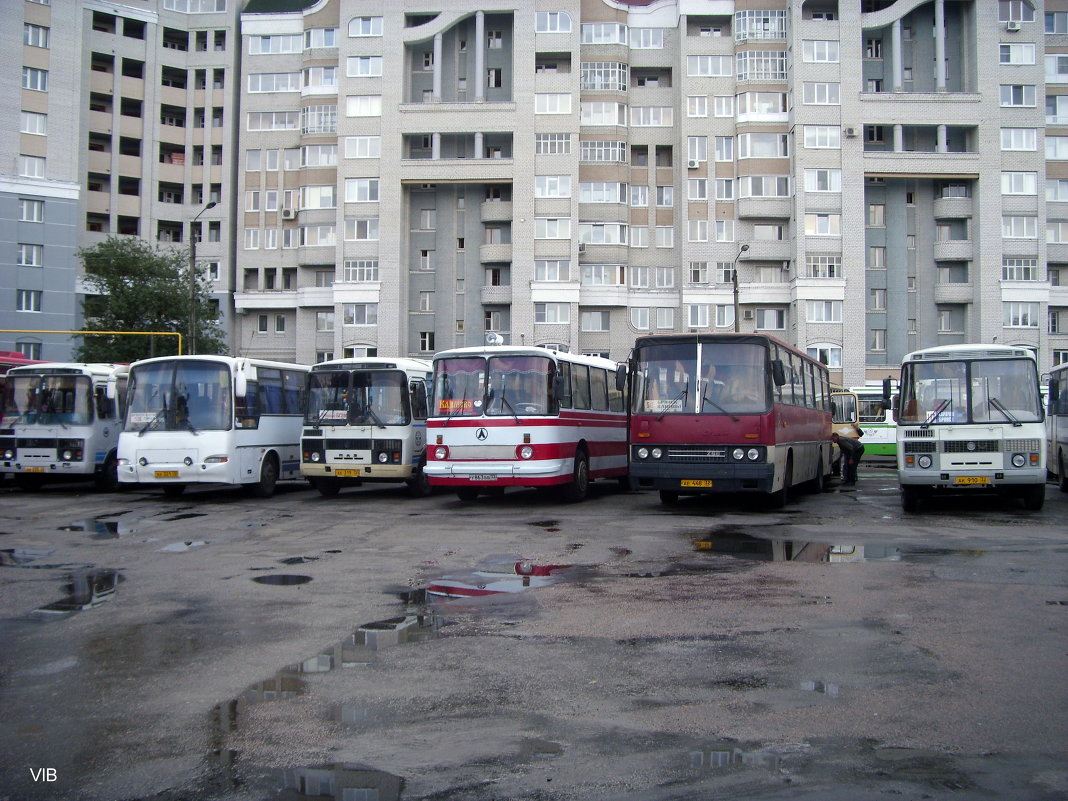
727	413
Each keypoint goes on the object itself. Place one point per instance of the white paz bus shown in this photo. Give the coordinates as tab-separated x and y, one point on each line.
969	417
1057	426
58	421
212	420
514	416
366	421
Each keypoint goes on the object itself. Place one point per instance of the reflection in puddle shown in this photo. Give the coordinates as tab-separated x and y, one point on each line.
184	516
495	575
824	687
342	782
180	547
728	755
87	589
746	546
282	579
15	557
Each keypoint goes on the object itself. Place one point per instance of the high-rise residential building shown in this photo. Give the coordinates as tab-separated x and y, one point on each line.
860	178
128	127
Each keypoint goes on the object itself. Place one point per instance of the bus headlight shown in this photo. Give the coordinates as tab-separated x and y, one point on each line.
217	459
753	454
738	454
71	449
657	453
924	461
383	457
9	454
525	452
66	456
643	453
316	456
1018	460
441	452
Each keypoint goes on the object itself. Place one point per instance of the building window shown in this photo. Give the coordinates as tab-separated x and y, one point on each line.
771	319
823	266
877	300
876	215
823	311
33	122
826	353
665	318
550	270
552	312
361	314
697	315
1019	227
426	341
365	26
1020	314
639	318
823	224
595	321
822	94
552	144
1021	95
552	22
28	300
1019	269
360	271
31	210
724	316
35	79
877	339
31	350
826	137
30	255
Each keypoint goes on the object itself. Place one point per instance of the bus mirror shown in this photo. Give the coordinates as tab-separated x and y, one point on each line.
110	390
778	372
240	384
1054	391
886	393
621	377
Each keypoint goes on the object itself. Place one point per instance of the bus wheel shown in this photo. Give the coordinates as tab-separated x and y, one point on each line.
910	498
419	484
107	480
818	484
29	482
1034	497
669	497
328	487
264	488
173	490
579	487
467	494
779	497
1064	476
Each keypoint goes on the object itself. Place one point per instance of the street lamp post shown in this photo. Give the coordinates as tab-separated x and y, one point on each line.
734	282
192	344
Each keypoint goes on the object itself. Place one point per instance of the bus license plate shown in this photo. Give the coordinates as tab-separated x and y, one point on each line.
35	469
166	474
695	482
347	473
482	477
971	480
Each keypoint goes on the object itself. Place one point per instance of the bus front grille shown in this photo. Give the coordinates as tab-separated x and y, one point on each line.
696	454
972	446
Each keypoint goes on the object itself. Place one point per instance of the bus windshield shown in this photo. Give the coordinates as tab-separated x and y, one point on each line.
48	399
179	396
358	397
986	391
517	384
701	378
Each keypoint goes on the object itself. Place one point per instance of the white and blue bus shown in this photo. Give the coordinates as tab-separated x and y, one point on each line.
366	421
1057	426
969	417
57	421
212	420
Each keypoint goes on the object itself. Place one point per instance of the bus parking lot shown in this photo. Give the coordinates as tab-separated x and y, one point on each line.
220	646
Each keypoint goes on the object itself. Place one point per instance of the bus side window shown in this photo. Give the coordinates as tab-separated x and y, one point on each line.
417	389
293	385
564	385
247	409
580	386
615	396
599	389
104	405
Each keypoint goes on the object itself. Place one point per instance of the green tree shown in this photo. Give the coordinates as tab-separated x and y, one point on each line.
134	286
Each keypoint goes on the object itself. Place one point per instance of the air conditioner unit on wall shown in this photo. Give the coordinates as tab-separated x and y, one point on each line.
582	248
289	214
1012	25
747	314
850	132
693	164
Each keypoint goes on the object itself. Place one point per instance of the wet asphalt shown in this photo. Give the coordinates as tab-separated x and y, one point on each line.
218	646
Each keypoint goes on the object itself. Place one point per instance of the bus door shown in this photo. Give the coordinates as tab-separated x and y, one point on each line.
418	392
845	410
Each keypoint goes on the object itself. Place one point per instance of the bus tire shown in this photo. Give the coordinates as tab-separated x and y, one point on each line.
1063	483
29	482
819	483
780	497
419	484
910	499
579	486
467	494
264	488
173	490
669	497
1034	497
107	480
328	487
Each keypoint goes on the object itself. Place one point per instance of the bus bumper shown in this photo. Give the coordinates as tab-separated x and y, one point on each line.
965	480
356	473
542	472
176	473
724	478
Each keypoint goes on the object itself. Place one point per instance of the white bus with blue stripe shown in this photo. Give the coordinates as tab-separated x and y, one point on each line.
366	421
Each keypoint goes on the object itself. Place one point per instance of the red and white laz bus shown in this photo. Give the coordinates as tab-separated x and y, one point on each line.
727	413
505	416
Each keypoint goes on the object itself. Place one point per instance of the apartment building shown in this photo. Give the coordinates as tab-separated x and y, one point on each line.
128	127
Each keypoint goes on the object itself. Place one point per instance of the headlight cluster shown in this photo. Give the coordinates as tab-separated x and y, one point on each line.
71	450
1025	459
7	449
749	455
525	451
441	452
386	451
312	451
645	453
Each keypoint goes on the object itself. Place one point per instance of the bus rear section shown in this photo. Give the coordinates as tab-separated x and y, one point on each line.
60	422
727	414
524	417
212	420
877	421
969	418
366	421
1057	426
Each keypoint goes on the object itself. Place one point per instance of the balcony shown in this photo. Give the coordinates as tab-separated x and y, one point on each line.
769	250
910	163
495	252
127	205
429	171
495	295
554	291
244	301
495	211
952	250
953	293
763	207
953	207
603	295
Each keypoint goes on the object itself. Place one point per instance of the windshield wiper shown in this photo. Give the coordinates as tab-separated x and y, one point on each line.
152	422
673	401
705	399
375	417
189	425
941	408
994	402
508	403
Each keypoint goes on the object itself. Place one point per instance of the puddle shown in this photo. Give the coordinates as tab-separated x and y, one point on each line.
823	687
179	547
729	755
298	560
16	557
496	575
87	589
732	541
545	524
283	579
101	529
342	782
185	516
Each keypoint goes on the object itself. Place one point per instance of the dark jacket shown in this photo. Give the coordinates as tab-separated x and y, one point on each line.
851	448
